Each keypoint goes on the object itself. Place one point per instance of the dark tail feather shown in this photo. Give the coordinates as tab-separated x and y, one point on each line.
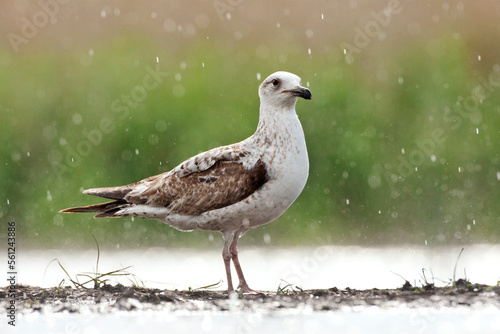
117	193
106	209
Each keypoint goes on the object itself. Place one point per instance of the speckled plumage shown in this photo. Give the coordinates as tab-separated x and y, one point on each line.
232	188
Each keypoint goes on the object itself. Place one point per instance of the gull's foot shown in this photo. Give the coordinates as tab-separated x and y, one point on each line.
246	289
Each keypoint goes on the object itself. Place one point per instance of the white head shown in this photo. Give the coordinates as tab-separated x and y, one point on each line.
281	90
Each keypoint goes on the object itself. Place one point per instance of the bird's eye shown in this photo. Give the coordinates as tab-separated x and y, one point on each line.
275	82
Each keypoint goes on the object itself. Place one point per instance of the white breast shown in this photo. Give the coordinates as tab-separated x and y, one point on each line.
280	144
289	163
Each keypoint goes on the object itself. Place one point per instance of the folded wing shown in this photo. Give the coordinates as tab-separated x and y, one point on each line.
186	190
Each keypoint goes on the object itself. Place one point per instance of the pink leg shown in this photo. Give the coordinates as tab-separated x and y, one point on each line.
226	256
234	255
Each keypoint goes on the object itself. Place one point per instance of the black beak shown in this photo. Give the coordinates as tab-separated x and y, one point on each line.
300	92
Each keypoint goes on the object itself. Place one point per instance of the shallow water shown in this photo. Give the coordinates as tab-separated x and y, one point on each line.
367	320
265	267
322	267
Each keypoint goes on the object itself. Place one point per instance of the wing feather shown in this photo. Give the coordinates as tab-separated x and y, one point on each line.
205	182
223	184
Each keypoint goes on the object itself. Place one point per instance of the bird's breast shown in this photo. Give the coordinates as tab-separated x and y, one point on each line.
286	159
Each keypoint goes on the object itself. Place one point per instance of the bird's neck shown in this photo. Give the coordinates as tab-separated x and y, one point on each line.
279	123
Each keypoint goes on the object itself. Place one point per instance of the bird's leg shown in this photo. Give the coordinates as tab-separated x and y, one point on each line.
226	256
234	255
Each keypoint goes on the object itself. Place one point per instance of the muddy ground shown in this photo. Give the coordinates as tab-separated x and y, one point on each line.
110	298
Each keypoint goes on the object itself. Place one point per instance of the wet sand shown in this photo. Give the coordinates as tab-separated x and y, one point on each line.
109	298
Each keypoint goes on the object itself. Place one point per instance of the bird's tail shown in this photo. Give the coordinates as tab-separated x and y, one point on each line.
108	209
104	209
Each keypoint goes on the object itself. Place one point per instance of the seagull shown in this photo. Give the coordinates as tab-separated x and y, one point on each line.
230	189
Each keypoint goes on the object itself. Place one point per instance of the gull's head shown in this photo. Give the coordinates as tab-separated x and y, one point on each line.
282	89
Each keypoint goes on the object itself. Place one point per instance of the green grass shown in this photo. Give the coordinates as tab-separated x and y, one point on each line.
95	278
356	127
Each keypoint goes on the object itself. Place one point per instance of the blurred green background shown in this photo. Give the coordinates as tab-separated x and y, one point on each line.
403	130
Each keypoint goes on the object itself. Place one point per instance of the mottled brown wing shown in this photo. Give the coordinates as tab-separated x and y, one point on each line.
223	184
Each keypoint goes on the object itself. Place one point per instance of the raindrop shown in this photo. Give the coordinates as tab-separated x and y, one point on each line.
498	176
402	151
8	202
473	222
210	237
477	131
49	196
202	64
374	181
322	17
479	57
258	76
468	227
309	51
103	13
433	158
91	52
347	201
157	59
161	126
459	169
425	242
278	25
400	80
178	90
153	15
267	238
77	119
136	151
